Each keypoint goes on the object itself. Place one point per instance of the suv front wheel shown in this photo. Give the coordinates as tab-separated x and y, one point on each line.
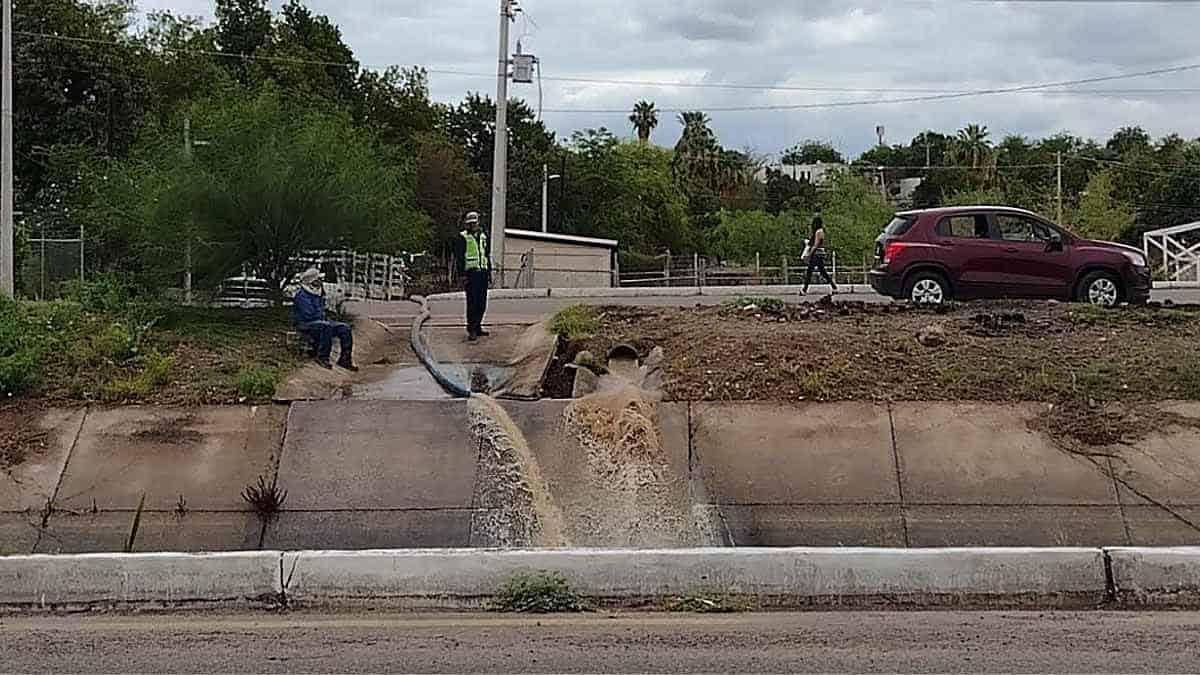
1100	288
927	288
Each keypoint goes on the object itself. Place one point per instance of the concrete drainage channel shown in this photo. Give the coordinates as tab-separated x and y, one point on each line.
765	578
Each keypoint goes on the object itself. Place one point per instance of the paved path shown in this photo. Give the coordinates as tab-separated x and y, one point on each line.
527	311
808	642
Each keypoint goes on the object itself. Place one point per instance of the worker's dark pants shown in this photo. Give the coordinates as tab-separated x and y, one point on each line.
322	334
817	260
477	290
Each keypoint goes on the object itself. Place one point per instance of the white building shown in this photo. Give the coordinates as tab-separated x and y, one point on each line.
818	174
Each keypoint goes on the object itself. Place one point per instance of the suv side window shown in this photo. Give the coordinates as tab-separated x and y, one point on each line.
964	227
1020	228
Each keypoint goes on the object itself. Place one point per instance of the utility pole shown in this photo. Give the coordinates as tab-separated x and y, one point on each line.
187	248
500	158
926	149
1058	163
7	283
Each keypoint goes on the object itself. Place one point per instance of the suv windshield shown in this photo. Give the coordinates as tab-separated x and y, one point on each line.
899	225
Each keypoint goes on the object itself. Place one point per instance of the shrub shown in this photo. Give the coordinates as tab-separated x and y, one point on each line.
538	593
767	305
113	342
157	368
18	372
256	381
576	322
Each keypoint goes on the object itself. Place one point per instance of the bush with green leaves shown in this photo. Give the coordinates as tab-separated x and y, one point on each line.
538	593
577	322
256	382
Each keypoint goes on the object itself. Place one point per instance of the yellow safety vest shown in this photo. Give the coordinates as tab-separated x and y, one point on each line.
475	251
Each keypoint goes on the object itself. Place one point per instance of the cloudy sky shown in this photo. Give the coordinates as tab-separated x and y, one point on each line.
942	45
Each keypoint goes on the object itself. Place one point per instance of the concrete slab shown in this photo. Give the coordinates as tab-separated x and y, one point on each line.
449	345
541	422
1153	526
107	532
779	525
1165	465
392	383
766	453
19	532
30	484
983	453
354	530
938	526
378	455
206	454
599	509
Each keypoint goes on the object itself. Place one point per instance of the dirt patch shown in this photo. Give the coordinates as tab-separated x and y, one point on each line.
20	437
170	431
1085	425
560	379
989	351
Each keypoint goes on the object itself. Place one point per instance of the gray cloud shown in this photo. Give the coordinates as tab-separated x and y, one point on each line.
914	44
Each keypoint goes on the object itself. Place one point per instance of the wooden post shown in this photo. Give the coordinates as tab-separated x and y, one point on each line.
757	268
785	271
667	269
696	269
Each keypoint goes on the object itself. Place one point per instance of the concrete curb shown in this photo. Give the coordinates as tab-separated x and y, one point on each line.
45	580
988	577
802	574
653	292
1153	576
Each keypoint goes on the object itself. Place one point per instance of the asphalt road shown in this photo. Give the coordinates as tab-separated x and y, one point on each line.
808	642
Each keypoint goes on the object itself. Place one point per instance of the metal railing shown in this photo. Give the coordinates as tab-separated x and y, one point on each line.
698	271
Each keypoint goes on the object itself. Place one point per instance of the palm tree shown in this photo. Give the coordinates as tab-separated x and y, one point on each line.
972	144
644	119
697	152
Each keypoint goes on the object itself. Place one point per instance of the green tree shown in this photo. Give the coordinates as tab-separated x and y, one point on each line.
854	214
811	152
243	27
1100	215
740	235
972	145
273	182
784	193
644	119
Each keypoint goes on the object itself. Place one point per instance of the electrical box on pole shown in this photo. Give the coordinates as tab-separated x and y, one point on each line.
522	68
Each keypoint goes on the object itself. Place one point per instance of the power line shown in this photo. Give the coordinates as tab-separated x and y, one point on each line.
933	97
934	94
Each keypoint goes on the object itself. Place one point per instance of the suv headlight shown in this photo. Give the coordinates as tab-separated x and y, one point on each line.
1136	258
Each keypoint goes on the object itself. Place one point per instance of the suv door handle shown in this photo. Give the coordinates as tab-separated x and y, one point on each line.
1011	249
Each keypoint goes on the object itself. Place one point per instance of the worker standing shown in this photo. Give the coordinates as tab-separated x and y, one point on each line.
475	266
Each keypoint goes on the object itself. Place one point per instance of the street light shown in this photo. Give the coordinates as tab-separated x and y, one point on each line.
546	178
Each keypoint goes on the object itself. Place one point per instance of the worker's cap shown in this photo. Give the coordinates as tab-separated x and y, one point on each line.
472	217
311	275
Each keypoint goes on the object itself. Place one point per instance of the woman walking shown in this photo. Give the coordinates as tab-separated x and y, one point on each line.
816	256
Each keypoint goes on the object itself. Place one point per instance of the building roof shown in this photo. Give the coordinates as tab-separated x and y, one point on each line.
561	238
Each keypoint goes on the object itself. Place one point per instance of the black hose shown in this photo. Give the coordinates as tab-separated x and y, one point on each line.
421	348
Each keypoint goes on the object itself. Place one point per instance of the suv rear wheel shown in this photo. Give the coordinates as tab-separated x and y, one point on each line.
1100	288
927	288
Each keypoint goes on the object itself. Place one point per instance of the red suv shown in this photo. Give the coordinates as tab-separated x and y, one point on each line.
934	255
